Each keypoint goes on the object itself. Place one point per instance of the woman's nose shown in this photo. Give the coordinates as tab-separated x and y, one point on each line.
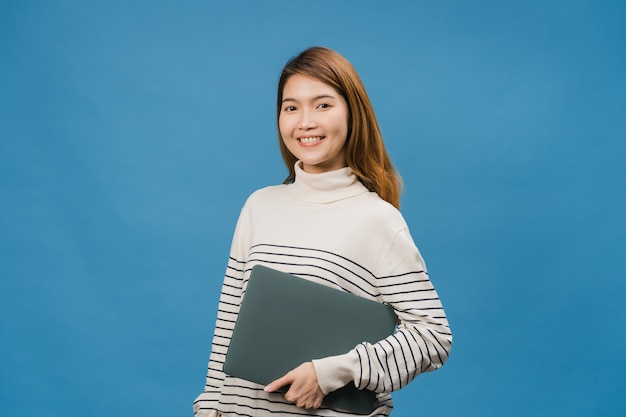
306	121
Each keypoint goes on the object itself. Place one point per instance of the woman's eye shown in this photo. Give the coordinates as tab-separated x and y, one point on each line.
290	108
323	105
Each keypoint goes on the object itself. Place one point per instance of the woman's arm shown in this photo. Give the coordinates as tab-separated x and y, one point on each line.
205	405
422	341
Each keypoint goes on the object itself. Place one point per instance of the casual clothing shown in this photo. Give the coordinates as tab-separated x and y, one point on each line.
330	229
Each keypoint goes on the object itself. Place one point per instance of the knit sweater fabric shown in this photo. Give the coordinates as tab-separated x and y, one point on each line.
330	229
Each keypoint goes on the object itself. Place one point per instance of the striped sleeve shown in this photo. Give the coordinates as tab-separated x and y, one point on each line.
422	341
205	405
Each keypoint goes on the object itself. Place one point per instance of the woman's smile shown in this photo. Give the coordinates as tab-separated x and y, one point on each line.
310	140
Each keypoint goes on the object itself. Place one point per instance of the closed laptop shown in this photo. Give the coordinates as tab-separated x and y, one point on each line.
285	321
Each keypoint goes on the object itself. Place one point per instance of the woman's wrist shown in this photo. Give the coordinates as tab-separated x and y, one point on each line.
334	372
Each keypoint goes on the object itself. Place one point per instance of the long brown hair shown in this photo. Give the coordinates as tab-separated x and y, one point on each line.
365	151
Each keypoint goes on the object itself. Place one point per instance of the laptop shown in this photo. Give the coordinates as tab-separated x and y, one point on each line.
285	320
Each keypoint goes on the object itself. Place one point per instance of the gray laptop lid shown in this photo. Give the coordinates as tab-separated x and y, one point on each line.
285	321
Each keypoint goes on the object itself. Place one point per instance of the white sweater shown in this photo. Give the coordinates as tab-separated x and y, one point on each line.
330	229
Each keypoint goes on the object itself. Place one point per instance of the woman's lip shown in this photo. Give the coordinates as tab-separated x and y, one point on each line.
310	140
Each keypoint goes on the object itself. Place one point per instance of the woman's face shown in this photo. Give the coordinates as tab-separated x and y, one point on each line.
313	123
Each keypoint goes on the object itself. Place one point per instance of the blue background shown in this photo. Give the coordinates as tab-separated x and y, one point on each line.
132	132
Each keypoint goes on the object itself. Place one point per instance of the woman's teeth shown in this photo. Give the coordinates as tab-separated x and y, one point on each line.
310	140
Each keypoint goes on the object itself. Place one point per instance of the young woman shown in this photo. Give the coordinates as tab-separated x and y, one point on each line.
335	221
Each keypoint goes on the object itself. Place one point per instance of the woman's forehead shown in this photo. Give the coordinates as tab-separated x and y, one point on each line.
299	87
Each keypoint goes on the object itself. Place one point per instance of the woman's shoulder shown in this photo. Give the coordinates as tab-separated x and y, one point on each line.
265	194
380	211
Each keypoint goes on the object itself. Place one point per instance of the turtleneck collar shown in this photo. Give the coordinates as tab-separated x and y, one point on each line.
326	187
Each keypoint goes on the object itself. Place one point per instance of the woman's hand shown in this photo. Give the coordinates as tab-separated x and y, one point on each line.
304	390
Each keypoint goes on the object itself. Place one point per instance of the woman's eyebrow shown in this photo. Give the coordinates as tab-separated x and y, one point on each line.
324	96
313	99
